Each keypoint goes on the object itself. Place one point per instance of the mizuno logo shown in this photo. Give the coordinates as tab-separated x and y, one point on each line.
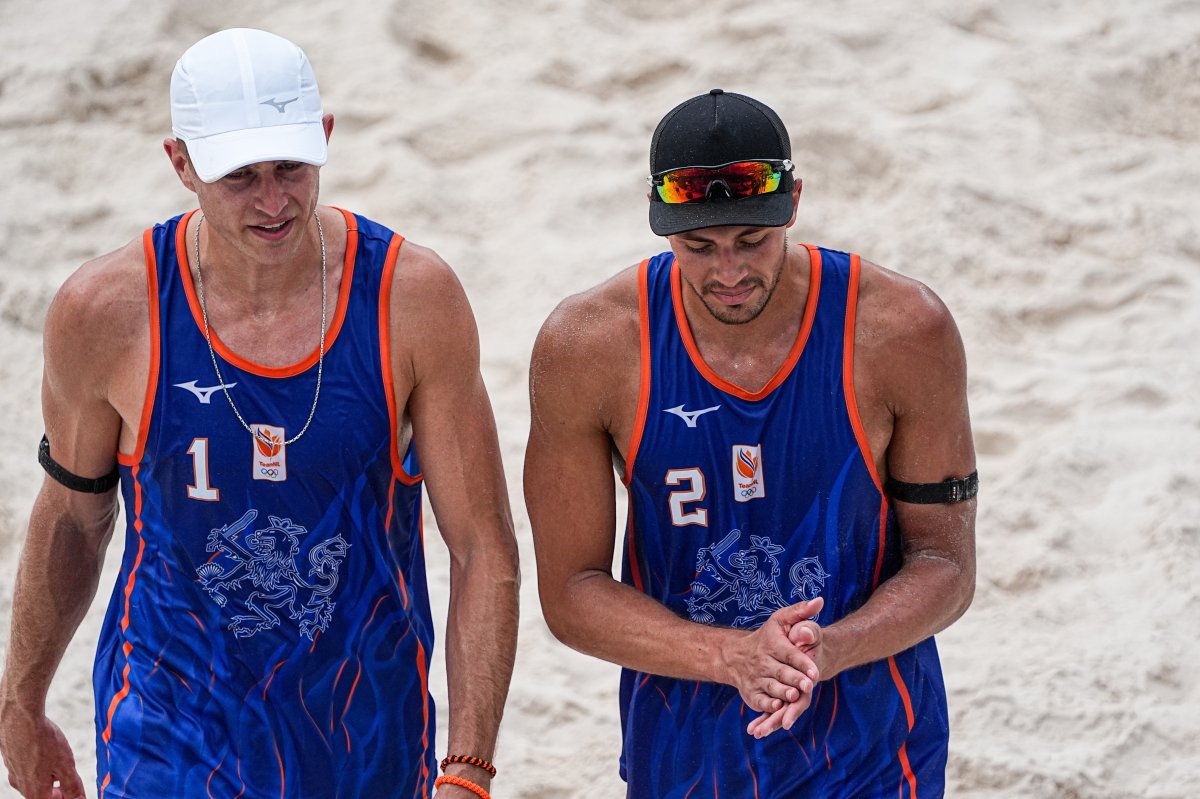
279	105
203	393
690	416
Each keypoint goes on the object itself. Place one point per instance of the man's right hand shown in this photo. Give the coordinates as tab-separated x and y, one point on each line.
39	759
767	668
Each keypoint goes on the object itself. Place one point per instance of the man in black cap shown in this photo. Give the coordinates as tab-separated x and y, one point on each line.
791	425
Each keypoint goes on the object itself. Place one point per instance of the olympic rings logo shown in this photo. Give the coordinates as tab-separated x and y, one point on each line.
268	472
749	492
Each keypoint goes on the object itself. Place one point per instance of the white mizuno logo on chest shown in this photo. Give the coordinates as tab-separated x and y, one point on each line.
690	417
203	393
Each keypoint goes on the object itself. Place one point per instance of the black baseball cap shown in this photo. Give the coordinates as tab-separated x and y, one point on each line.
719	128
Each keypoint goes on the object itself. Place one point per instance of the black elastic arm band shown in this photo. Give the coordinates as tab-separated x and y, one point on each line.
100	485
949	491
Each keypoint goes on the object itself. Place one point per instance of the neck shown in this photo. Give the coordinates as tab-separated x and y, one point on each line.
255	275
271	313
749	354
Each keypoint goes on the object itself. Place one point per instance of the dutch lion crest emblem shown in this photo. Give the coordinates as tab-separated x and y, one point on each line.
747	579
259	567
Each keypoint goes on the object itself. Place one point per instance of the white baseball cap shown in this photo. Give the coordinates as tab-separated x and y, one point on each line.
242	96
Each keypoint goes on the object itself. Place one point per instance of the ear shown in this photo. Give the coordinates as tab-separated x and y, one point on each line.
177	153
795	201
327	123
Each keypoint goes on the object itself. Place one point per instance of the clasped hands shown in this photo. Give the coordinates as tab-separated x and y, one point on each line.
775	667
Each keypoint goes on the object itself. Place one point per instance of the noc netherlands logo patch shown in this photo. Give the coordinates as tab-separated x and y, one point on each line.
748	481
270	453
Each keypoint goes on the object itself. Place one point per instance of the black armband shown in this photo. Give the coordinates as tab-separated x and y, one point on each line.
947	492
87	485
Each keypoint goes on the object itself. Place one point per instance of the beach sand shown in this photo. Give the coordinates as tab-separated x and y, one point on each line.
1035	164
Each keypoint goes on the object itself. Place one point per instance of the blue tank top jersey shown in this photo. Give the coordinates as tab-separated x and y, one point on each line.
744	502
269	634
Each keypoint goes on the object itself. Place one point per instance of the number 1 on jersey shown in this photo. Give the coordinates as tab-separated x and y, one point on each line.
693	493
200	488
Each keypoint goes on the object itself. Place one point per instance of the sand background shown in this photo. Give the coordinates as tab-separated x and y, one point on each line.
1035	163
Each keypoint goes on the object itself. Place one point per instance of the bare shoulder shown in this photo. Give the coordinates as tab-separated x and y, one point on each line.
905	336
97	360
417	263
426	290
589	346
434	338
895	310
101	312
593	324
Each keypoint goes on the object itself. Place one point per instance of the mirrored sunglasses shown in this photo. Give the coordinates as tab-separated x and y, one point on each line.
737	179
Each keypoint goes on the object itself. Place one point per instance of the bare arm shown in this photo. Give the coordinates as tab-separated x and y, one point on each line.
582	388
455	435
68	531
911	370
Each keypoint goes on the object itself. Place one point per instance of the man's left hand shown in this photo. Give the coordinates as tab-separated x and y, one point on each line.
807	636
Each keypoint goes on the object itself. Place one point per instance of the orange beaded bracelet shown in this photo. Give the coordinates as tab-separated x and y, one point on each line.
450	779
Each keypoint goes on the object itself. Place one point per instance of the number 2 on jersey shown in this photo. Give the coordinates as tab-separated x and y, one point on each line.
695	491
200	488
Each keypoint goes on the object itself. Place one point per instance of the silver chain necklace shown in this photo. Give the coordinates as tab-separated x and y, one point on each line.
212	353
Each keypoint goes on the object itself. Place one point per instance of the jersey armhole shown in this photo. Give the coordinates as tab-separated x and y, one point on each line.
639	421
860	433
385	358
143	432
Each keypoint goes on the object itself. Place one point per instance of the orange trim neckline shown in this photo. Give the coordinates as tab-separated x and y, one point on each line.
785	369
245	364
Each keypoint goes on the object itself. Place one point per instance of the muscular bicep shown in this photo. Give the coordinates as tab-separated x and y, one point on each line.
89	346
457	446
931	436
81	361
437	370
97	359
569	481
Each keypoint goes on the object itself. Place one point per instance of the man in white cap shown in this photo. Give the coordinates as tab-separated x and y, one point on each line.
791	424
269	381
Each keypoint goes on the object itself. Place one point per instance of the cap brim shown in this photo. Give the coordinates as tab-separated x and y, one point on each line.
765	210
214	157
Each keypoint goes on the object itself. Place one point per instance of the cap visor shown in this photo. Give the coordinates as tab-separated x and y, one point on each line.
765	210
214	157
